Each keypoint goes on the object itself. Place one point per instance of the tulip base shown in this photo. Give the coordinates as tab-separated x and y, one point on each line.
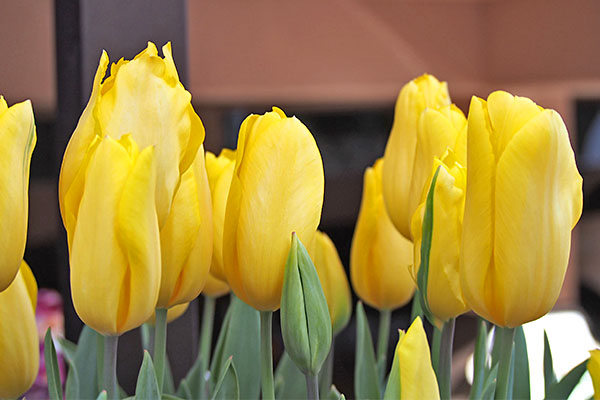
312	386
266	350
110	367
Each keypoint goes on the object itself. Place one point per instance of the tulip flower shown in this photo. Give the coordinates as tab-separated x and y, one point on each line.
412	376
220	171
277	188
333	280
444	295
17	133
523	198
425	124
115	245
19	348
172	313
593	367
380	256
214	287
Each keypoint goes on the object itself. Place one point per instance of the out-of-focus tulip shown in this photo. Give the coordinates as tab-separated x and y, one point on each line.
17	135
277	188
412	376
214	287
115	245
186	238
444	295
220	171
425	124
380	256
593	367
523	199
19	351
333	280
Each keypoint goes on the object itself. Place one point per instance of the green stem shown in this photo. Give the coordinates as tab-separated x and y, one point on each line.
110	367
435	349
416	310
312	386
160	345
479	361
445	359
208	316
326	373
506	337
385	317
266	349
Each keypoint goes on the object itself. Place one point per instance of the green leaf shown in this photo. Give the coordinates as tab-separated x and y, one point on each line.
52	372
184	390
365	368
102	395
423	274
333	394
147	384
290	382
170	397
479	360
240	338
549	375
305	320
67	347
86	365
393	389
489	385
227	386
563	388
521	387
168	384
72	383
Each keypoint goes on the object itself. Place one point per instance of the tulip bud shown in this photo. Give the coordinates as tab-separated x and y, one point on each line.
380	256
276	189
19	346
115	247
425	124
305	321
444	295
220	171
593	367
17	132
523	199
412	376
333	280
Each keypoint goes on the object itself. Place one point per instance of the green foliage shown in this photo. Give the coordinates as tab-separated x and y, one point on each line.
366	384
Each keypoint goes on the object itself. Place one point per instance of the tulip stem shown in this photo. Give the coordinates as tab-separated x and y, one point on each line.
312	386
326	373
506	337
206	332
444	359
266	349
110	367
385	318
160	345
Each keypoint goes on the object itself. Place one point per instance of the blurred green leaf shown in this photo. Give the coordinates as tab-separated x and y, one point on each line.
103	396
549	375
366	384
227	386
521	386
479	360
52	372
563	388
290	382
147	384
393	389
489	385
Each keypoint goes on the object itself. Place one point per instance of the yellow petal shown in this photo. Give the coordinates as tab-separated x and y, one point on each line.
19	347
277	188
17	138
172	313
215	287
593	366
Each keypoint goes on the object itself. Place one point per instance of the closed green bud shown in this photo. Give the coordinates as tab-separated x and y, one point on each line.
305	321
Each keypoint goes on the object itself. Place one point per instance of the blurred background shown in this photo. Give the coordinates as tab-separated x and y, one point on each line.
338	66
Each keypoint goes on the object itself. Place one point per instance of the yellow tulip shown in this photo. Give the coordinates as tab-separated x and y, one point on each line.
19	346
215	287
186	238
17	135
444	294
425	124
380	256
172	313
220	171
523	199
277	188
412	374
115	246
333	279
593	367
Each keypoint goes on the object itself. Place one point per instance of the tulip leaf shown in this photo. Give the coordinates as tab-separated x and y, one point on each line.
103	396
240	338
521	386
72	383
227	386
85	364
52	372
168	384
549	375
147	384
67	347
423	274
563	388
489	385
290	382
305	320
334	394
393	389
170	397
184	390
479	360
366	381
